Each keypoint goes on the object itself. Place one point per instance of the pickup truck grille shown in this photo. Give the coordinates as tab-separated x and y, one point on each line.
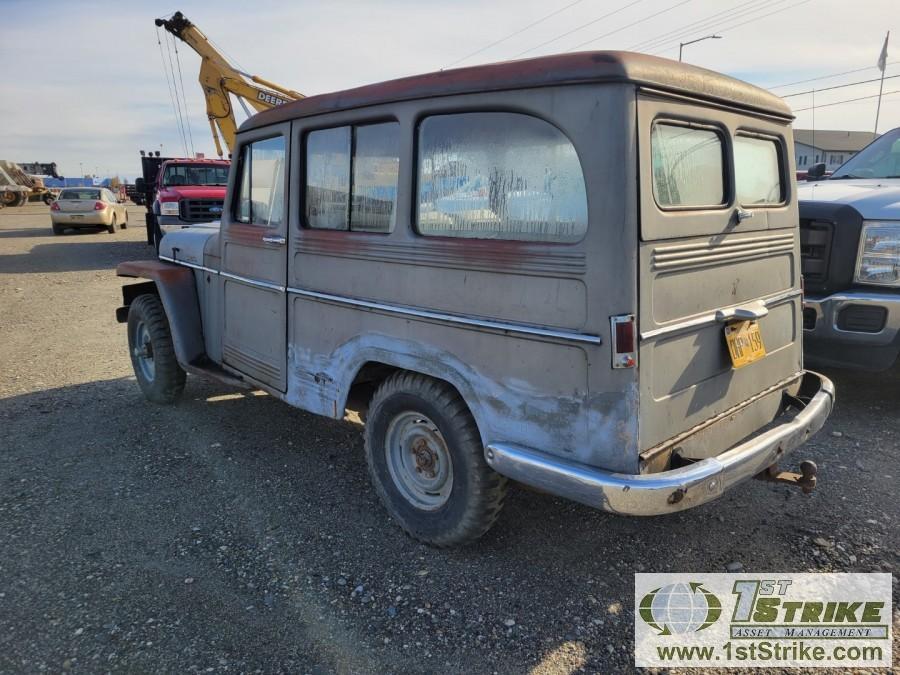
200	210
815	249
829	237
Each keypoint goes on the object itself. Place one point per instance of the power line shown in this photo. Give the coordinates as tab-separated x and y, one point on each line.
169	86
839	86
848	100
177	97
184	97
701	24
634	23
513	34
579	27
827	77
756	18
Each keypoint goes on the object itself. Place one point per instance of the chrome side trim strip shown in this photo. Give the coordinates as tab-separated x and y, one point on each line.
710	317
253	282
405	311
193	266
449	318
228	275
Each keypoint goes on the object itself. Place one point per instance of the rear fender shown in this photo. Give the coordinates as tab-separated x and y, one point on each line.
177	290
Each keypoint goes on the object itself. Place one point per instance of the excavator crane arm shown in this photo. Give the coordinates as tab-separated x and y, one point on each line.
220	80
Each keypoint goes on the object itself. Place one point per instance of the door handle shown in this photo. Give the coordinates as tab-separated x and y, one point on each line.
748	313
274	240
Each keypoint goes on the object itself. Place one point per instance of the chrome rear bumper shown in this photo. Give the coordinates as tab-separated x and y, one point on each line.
667	491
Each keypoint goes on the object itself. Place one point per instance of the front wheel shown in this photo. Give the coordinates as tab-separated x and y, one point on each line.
152	352
427	463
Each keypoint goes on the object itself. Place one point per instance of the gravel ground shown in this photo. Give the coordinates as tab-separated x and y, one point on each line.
235	534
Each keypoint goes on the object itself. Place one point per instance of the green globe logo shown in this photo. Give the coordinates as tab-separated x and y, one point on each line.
680	608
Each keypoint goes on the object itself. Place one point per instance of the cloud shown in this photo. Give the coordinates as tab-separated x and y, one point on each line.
96	92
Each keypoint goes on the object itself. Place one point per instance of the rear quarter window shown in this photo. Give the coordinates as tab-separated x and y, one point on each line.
497	175
688	166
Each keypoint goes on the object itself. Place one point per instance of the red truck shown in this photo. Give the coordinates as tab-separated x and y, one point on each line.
181	192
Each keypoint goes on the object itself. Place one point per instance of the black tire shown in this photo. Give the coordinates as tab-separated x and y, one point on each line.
157	238
149	338
125	222
58	229
476	492
48	198
111	228
151	226
20	199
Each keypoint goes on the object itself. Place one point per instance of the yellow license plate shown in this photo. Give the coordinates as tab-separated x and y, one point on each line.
744	343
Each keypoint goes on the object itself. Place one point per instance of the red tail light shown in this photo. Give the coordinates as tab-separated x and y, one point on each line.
54	206
624	349
99	206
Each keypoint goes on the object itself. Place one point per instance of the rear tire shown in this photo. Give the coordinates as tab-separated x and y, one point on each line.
48	199
427	463
111	228
152	352
58	229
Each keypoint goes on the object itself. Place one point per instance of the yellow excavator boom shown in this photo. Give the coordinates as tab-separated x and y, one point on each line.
220	80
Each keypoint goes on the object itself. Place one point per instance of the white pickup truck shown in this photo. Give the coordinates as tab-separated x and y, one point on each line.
850	248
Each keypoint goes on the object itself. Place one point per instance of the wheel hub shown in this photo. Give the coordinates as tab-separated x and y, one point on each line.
425	457
143	352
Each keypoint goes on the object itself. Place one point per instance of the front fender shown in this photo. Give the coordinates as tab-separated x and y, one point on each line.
177	290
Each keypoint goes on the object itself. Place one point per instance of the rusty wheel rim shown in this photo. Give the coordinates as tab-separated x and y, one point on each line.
418	460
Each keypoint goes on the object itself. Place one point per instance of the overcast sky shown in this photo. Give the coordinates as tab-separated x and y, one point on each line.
91	88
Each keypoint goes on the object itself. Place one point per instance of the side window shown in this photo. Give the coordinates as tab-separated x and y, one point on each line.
499	176
757	171
328	178
376	169
351	177
260	196
688	167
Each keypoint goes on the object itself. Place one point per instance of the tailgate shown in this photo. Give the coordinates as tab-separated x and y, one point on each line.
719	239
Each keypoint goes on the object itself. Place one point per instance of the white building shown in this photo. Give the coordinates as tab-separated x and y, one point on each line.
827	145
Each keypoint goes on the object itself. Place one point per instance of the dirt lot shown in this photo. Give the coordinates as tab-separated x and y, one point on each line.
234	534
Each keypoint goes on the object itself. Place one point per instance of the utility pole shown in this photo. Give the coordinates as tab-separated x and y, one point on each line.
682	45
882	65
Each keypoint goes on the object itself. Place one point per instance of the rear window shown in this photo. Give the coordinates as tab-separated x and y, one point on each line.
688	166
757	171
79	194
499	176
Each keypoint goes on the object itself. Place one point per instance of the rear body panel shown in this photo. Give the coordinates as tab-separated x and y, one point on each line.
695	263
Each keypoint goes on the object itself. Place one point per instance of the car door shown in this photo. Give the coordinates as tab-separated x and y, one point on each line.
254	259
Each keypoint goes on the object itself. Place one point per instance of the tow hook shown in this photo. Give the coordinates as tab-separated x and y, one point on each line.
805	480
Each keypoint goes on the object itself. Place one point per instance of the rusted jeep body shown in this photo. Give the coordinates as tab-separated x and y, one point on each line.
551	249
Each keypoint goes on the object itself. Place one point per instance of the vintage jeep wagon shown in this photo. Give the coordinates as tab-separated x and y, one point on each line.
579	272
